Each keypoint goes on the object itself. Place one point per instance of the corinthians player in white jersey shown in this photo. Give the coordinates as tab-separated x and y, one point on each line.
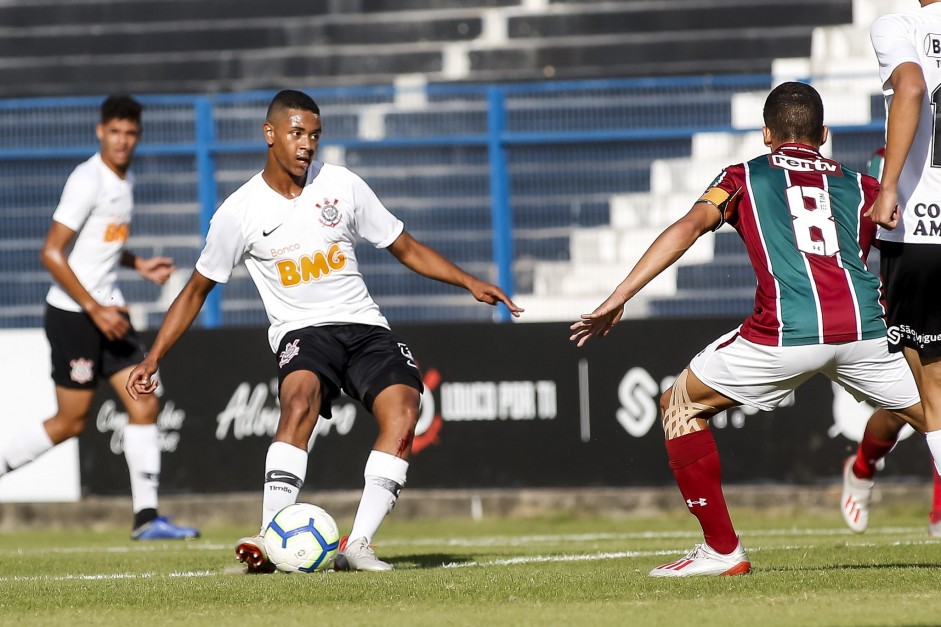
908	208
86	319
294	224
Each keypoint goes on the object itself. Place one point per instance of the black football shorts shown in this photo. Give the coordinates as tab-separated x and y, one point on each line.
913	299
360	359
81	353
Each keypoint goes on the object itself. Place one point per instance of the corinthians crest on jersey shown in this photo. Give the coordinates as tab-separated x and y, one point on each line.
329	214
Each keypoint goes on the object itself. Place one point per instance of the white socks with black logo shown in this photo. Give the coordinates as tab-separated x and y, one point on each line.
285	471
142	453
385	477
31	442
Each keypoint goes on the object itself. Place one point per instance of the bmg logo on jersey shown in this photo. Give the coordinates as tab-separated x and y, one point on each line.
933	45
311	267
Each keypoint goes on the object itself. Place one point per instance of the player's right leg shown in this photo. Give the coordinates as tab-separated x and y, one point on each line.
881	434
38	437
75	352
286	461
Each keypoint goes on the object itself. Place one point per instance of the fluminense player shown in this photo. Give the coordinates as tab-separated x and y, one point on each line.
294	224
86	317
817	308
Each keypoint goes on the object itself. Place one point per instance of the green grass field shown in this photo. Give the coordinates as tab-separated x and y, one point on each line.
808	570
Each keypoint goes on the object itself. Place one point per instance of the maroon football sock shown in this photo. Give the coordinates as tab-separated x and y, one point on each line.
870	451
935	515
694	460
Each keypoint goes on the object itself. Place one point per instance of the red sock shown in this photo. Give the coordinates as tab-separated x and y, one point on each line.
869	452
935	514
694	460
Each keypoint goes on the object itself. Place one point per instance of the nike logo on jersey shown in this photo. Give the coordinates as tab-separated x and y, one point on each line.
267	233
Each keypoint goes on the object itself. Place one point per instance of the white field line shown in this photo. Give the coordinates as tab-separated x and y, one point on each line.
487	541
510	561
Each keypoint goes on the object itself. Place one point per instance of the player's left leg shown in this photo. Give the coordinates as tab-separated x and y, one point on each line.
396	409
694	460
142	454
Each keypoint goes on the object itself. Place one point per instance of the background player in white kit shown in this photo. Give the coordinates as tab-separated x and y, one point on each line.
294	224
908	208
86	317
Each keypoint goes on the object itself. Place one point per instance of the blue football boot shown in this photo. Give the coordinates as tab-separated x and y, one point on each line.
160	528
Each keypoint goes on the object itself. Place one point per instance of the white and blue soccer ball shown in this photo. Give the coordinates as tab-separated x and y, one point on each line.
302	538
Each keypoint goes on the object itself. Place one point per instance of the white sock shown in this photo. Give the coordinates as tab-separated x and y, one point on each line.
285	471
385	478
142	454
31	442
934	445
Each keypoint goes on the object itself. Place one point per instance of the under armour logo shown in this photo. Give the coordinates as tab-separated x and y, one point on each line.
690	502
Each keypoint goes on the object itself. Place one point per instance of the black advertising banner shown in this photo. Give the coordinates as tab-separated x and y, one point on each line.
511	405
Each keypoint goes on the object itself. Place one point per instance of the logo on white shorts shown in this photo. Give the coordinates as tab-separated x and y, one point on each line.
290	351
83	370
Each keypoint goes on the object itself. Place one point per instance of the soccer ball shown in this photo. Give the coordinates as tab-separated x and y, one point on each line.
302	537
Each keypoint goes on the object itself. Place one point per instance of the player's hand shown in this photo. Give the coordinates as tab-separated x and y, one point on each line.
111	321
156	269
600	321
142	380
885	209
491	294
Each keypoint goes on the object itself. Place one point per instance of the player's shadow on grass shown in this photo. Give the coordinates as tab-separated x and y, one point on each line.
428	560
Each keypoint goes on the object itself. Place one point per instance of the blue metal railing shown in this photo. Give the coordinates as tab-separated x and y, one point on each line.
517	116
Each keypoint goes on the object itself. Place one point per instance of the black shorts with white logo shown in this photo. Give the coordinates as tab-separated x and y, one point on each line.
360	359
913	299
80	351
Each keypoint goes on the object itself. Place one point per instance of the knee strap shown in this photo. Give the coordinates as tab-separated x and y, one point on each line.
681	413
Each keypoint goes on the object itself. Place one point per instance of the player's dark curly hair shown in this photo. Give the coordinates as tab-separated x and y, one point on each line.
120	108
291	99
794	111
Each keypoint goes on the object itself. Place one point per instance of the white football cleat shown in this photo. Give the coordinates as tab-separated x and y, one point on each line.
857	495
358	555
702	560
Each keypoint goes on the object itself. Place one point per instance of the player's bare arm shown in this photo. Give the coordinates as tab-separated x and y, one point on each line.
179	317
154	269
908	85
663	253
108	319
428	262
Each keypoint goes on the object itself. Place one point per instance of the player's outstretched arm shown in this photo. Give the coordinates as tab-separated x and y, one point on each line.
428	262
178	319
908	85
663	253
154	269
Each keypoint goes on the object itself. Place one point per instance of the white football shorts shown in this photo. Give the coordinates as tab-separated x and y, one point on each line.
762	376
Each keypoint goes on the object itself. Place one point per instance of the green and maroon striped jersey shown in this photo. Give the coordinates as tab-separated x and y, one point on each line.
800	216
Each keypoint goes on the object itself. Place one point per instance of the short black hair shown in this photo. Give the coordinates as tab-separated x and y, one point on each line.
794	111
120	108
291	99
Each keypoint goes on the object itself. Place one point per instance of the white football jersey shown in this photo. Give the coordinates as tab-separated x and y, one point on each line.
299	252
916	37
96	203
